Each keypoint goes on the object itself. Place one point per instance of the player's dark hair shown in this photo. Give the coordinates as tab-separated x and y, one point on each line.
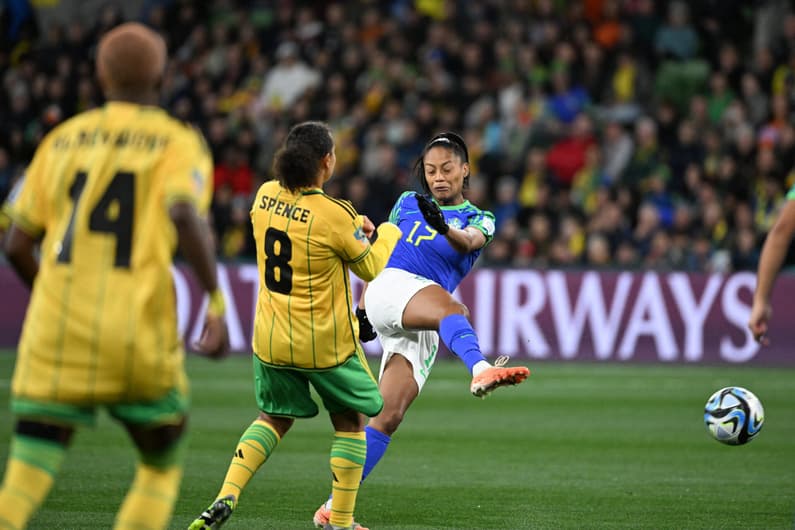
296	164
130	62
448	140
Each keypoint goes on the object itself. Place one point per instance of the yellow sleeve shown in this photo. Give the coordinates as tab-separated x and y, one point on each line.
27	203
372	261
5	220
187	171
347	232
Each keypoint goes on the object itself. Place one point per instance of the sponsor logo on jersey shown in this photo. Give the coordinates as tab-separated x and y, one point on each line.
198	179
488	225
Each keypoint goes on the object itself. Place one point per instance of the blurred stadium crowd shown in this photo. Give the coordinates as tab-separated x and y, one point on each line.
603	133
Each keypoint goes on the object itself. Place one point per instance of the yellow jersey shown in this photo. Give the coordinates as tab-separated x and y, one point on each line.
306	243
101	324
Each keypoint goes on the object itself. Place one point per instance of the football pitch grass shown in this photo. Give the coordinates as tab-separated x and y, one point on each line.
576	446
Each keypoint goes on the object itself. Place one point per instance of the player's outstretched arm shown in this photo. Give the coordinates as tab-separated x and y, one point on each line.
773	253
464	240
194	242
375	260
20	250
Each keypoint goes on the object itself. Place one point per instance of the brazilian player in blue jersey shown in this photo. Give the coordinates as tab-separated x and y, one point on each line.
410	305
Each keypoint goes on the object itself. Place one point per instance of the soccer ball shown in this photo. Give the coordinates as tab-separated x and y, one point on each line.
734	415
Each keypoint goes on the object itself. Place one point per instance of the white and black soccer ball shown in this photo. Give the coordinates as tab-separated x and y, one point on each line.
734	415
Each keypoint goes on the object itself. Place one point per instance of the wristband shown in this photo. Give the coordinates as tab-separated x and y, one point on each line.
217	306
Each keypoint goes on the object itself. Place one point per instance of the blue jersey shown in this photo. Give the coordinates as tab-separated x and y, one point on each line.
422	251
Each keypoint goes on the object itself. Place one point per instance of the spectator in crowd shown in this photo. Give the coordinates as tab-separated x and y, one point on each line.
234	171
287	81
506	206
677	39
588	181
617	149
567	101
534	180
745	251
687	102
567	156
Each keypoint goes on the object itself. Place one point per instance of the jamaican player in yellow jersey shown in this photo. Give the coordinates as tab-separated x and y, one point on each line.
111	193
305	330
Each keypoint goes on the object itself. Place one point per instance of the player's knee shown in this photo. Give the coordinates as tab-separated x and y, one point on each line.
389	420
165	459
281	424
457	308
159	446
41	430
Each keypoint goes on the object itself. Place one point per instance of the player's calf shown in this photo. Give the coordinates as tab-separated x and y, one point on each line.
35	456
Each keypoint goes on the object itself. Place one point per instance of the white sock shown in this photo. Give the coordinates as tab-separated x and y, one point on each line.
480	367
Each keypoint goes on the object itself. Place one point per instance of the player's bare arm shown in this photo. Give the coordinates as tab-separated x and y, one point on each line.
465	240
773	253
195	246
20	249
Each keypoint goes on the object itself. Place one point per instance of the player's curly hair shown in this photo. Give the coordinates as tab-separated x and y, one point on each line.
449	140
296	164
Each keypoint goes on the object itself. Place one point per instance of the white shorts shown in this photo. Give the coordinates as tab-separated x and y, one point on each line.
385	300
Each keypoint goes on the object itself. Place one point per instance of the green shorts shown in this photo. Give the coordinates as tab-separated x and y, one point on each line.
285	391
164	411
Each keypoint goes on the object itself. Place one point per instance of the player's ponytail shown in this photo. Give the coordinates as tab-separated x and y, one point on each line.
451	141
296	164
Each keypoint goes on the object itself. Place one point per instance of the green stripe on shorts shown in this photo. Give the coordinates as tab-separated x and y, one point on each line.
57	412
285	391
171	408
43	454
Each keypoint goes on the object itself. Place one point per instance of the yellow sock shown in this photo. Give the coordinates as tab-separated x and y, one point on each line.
253	449
150	501
30	474
347	460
